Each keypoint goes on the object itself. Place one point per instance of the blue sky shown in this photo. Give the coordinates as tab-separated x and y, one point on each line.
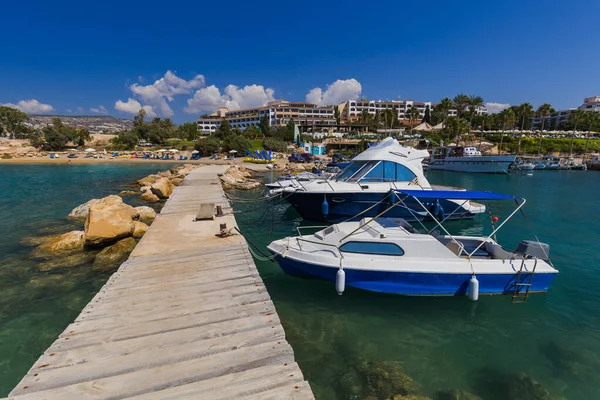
71	57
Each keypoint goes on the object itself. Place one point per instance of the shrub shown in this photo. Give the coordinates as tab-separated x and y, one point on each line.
208	146
275	145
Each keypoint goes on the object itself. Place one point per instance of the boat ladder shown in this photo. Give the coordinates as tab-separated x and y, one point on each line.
518	296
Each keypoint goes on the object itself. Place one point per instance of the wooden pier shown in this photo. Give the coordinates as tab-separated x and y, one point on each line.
186	317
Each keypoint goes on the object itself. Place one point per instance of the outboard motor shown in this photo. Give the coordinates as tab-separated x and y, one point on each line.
533	249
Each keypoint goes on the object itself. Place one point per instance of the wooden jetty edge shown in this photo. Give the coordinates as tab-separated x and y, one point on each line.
187	316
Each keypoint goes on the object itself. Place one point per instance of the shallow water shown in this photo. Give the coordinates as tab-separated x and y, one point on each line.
36	306
441	342
448	343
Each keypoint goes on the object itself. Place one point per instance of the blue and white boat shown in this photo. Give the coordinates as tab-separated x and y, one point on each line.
389	255
469	159
367	186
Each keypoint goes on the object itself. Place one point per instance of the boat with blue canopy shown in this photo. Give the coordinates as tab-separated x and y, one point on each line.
390	255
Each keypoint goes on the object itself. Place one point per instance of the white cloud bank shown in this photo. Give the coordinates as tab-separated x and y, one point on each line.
132	107
99	110
495	108
234	98
335	93
156	97
31	106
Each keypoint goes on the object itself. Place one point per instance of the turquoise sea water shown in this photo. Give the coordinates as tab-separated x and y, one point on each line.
442	343
446	343
36	306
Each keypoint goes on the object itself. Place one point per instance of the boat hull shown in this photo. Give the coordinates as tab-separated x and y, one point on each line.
417	283
343	206
475	164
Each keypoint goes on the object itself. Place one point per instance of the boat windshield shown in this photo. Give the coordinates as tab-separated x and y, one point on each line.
376	171
351	170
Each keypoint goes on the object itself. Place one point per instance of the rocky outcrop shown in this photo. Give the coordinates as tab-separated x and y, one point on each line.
148	180
149	197
177	181
69	261
112	256
238	177
162	188
107	222
66	243
146	214
139	229
145	189
80	213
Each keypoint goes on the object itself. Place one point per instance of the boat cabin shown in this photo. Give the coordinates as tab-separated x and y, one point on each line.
375	171
440	153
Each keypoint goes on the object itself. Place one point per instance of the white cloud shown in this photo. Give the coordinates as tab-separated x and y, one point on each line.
495	108
31	106
210	98
164	90
337	92
99	110
132	106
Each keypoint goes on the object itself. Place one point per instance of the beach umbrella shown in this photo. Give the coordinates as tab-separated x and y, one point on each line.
161	150
195	152
71	149
233	151
90	150
174	151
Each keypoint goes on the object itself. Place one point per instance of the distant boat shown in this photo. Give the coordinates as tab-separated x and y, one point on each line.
468	159
593	163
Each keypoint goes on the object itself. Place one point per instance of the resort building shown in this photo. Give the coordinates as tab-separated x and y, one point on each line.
351	110
278	112
561	117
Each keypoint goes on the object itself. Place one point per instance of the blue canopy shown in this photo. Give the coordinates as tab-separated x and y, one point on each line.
456	195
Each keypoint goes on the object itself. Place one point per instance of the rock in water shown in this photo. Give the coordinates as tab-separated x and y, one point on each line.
162	188
139	229
107	223
111	257
146	214
148	180
176	181
145	189
69	261
149	197
80	213
66	243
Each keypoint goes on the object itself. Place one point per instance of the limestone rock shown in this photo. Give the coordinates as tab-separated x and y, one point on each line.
65	243
80	213
176	181
162	188
145	189
139	229
237	177
71	261
149	180
149	197
111	257
146	214
128	193
165	174
107	223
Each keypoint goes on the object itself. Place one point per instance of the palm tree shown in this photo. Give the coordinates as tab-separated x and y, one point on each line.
576	117
457	126
473	104
365	117
507	116
525	111
591	118
543	111
460	101
413	114
443	108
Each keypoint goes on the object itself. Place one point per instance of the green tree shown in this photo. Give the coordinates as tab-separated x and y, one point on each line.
592	119
223	130
238	143
167	126
139	118
577	118
525	112
460	102
543	111
57	135
427	116
264	126
507	118
126	140
187	131
275	145
413	115
473	103
208	146
365	117
457	126
336	115
252	132
11	121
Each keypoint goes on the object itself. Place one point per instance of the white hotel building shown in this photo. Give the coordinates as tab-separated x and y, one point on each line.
279	112
352	109
562	116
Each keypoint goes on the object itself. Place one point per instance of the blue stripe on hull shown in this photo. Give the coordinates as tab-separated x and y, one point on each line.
416	284
346	205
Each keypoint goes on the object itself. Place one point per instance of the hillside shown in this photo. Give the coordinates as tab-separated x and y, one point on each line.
94	123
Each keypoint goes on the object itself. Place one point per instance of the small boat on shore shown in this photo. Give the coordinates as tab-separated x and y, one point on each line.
593	163
389	255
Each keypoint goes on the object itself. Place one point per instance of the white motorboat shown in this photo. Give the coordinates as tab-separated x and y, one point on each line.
366	185
468	159
389	255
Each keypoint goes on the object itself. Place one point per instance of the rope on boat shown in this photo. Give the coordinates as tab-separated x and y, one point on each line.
261	256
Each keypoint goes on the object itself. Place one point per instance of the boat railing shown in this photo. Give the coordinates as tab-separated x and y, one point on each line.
299	228
336	247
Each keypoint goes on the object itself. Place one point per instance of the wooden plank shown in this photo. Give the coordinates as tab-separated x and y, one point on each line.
187	316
